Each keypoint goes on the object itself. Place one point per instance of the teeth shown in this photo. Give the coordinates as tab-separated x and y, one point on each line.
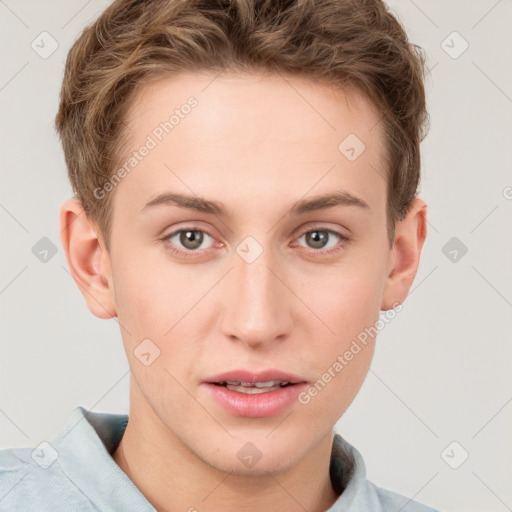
268	384
252	390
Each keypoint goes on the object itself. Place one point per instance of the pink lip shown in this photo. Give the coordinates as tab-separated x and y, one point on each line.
259	405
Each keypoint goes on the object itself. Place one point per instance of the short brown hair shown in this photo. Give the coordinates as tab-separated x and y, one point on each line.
347	42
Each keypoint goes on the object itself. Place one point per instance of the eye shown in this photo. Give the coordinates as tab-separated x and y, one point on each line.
324	240
189	242
190	239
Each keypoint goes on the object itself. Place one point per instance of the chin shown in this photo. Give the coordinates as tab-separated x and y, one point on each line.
277	463
259	459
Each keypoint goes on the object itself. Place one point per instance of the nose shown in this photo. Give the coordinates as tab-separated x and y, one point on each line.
257	303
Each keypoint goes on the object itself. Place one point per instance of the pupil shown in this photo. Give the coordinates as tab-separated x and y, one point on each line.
317	238
191	239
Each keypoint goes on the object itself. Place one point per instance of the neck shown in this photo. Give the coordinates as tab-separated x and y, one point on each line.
172	477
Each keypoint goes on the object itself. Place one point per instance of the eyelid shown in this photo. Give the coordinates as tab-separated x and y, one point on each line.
322	227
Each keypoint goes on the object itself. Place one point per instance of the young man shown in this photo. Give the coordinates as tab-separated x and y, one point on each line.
246	204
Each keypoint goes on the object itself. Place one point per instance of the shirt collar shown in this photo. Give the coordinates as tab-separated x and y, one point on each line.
84	447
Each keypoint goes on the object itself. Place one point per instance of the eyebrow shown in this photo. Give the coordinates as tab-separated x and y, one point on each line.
200	204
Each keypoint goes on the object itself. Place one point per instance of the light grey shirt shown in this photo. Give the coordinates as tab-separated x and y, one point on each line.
75	471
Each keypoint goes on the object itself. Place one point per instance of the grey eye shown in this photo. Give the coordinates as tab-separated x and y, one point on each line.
190	239
319	238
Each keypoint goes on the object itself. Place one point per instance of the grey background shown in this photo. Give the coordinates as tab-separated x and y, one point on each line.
441	371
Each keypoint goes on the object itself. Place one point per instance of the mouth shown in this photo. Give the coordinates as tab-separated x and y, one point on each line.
256	395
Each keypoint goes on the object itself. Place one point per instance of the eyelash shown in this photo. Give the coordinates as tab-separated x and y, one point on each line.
193	254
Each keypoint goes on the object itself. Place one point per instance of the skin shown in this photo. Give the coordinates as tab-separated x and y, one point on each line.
256	145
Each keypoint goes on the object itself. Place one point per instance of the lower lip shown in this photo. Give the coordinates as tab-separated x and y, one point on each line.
259	405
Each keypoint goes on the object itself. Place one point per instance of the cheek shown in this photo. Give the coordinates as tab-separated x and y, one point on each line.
346	299
338	383
156	302
157	342
348	302
141	306
148	292
340	361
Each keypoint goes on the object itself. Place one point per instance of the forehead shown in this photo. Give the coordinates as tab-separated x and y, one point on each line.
259	134
233	97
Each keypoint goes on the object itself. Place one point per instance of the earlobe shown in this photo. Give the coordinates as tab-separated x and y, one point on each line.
88	259
410	236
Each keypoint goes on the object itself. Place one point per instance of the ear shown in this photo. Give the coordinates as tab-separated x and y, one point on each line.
88	259
405	257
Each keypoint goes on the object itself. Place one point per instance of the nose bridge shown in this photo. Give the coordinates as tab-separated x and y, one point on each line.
257	309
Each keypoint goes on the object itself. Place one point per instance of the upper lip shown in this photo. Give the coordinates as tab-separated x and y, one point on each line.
252	377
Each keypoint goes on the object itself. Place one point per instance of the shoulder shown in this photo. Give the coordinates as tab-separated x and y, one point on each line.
390	500
358	492
32	479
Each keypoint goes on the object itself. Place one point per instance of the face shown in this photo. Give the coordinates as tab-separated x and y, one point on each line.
229	267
